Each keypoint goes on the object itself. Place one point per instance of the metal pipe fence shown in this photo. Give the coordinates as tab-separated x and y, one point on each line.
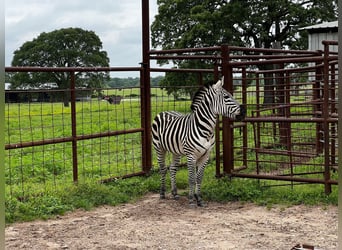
289	133
294	132
290	130
49	145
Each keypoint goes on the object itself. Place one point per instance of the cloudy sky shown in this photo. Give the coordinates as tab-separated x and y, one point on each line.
116	22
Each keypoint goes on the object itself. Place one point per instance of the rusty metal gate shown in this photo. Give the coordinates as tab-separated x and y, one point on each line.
290	130
295	131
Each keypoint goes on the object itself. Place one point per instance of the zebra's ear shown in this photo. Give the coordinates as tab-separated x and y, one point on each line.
218	84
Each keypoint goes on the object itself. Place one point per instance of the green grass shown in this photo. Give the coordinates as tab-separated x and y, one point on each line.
45	172
89	195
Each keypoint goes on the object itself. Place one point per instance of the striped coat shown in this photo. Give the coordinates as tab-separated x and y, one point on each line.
192	135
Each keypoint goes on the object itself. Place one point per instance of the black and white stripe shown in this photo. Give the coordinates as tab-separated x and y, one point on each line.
192	135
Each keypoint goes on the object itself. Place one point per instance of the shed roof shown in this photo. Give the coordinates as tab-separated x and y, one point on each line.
322	27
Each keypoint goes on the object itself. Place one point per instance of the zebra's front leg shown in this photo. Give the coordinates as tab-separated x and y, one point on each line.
192	179
202	162
162	171
173	172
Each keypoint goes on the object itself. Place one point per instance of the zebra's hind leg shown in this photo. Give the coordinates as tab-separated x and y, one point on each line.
162	171
173	171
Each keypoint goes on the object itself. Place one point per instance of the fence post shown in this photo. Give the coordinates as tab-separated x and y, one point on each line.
73	126
145	87
227	130
217	131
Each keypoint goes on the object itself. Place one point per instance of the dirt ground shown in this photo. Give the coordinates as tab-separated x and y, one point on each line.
151	223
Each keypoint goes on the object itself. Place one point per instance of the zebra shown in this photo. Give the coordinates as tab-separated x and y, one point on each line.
192	135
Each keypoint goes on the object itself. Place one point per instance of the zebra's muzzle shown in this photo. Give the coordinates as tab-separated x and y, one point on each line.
242	114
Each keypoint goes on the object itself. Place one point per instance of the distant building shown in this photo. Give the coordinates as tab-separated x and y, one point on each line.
321	32
44	92
318	33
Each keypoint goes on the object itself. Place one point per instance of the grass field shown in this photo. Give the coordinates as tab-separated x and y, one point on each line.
32	170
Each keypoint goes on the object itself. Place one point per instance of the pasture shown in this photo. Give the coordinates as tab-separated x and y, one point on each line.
38	172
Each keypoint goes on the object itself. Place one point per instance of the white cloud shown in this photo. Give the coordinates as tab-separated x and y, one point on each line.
117	23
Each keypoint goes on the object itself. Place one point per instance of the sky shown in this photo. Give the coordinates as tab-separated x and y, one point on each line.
116	22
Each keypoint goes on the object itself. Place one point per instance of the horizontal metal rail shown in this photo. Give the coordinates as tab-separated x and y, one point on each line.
70	69
290	119
284	178
71	138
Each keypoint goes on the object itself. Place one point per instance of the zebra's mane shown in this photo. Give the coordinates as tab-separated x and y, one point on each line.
197	99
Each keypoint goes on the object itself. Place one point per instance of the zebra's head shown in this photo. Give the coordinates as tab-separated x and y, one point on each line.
224	103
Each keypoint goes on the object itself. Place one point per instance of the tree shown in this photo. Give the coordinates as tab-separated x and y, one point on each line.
70	47
174	83
249	23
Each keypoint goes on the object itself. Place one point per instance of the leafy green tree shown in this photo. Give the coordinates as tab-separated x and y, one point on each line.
70	47
249	23
185	83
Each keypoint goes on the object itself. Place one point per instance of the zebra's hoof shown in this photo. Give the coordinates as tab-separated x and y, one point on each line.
192	204
201	204
176	197
199	201
162	196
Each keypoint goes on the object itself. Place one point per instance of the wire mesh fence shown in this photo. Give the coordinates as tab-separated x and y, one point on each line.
98	135
50	145
102	134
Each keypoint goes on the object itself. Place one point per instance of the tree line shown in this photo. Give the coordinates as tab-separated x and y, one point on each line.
117	82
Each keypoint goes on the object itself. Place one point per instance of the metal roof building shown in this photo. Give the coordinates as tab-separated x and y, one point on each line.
320	32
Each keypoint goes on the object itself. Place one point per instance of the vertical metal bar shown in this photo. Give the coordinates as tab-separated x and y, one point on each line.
2	145
283	100
339	128
333	110
288	125
146	90
317	97
325	114
200	78
256	125
244	129
73	126
227	131
217	132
